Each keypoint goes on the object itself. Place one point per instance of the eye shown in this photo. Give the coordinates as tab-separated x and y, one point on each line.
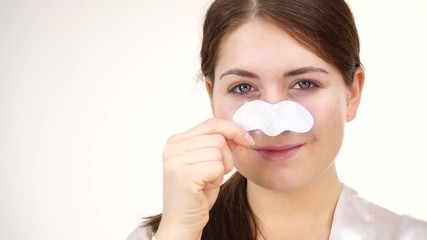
242	88
305	84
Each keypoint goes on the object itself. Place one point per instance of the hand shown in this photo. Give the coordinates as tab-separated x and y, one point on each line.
194	164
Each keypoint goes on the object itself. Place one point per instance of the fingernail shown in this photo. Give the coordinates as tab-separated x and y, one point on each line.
249	139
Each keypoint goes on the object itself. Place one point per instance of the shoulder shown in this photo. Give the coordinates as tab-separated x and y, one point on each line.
355	216
141	233
385	223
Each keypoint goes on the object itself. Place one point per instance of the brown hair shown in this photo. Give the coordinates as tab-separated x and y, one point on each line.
325	27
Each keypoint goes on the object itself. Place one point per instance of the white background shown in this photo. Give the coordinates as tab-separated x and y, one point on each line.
91	90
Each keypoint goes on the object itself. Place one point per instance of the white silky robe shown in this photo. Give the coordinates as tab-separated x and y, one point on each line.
357	219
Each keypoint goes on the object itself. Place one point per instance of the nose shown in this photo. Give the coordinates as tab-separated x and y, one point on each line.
274	94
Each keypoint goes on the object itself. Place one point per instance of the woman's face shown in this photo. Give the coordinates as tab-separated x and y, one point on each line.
261	61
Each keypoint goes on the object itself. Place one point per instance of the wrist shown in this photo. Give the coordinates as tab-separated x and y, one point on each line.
176	233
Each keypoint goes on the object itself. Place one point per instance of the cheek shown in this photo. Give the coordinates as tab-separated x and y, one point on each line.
328	113
224	106
328	131
222	110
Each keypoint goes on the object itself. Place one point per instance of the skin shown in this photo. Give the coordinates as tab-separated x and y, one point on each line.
294	196
194	164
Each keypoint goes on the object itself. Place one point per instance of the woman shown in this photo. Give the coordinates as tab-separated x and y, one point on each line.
286	186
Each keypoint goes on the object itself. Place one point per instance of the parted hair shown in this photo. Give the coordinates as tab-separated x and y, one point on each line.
325	27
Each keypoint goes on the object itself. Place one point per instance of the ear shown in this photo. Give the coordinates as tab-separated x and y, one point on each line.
209	89
354	93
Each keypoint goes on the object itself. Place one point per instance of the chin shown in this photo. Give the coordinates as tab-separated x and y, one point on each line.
282	180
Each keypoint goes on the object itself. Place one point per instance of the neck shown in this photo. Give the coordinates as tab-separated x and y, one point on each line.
311	204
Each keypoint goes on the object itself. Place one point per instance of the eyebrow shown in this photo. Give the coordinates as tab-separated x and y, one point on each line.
294	72
304	70
239	72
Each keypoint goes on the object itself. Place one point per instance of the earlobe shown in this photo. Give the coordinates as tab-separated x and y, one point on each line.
208	85
355	93
209	89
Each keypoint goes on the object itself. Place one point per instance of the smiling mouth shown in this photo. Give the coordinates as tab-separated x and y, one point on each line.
278	153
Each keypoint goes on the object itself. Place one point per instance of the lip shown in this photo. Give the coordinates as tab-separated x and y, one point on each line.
278	153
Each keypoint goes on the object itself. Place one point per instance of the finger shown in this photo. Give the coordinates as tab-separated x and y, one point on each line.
189	147
230	130
192	158
222	155
197	142
206	174
204	166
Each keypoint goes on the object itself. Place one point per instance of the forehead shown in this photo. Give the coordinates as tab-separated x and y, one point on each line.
263	46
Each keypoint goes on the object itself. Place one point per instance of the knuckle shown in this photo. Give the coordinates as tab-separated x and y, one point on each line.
172	139
218	169
166	153
216	154
169	152
218	140
173	164
169	166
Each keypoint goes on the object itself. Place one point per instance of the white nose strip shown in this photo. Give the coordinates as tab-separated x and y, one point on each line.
273	119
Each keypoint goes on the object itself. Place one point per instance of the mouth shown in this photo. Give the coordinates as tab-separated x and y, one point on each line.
278	153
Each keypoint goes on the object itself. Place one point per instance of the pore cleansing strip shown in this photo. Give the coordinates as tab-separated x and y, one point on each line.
273	119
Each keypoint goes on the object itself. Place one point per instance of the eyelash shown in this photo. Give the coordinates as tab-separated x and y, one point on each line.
233	89
311	85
